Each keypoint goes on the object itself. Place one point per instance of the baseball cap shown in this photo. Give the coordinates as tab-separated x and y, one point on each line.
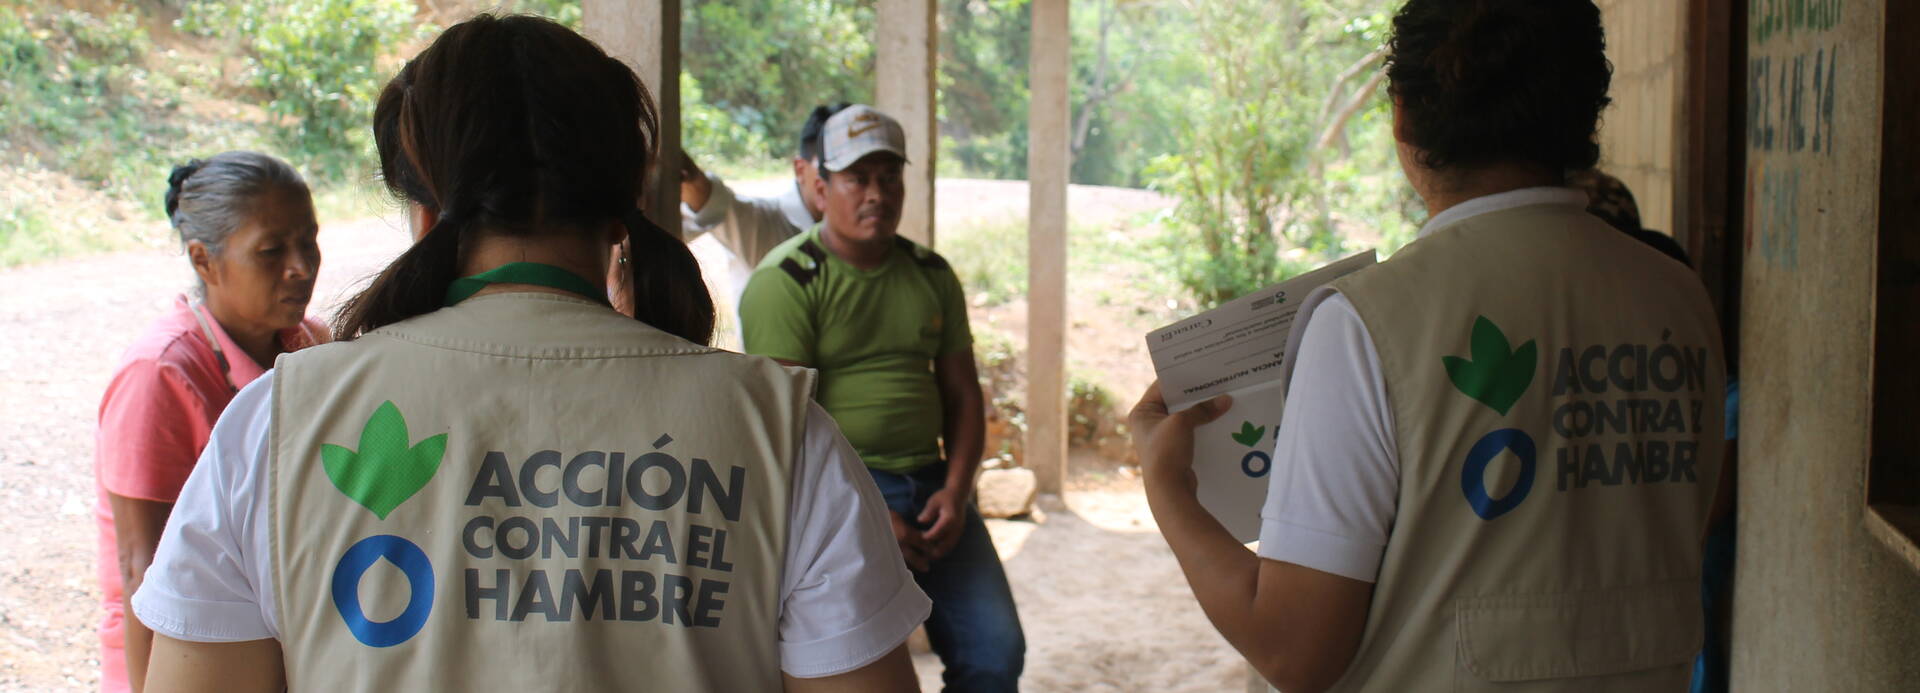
1607	198
857	131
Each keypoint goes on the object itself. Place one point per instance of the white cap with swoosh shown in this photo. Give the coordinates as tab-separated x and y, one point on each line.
857	131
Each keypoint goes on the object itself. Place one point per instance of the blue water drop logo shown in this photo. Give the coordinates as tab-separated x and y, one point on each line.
346	589
1473	476
1248	466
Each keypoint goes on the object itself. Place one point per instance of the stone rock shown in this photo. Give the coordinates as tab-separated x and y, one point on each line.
1005	492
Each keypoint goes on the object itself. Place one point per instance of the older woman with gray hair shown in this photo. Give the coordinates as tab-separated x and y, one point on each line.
246	222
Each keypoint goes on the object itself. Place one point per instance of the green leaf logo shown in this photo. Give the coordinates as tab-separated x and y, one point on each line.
386	471
1249	434
1498	374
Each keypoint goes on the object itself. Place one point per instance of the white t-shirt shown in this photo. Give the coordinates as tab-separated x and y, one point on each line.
748	227
1331	504
846	595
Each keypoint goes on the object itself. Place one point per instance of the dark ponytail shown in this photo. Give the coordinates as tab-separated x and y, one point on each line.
413	284
671	290
177	179
520	127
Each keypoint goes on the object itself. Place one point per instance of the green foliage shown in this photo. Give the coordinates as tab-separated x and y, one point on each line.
315	61
1133	62
983	87
1214	101
25	235
40	219
990	256
566	12
1002	379
752	70
116	38
711	133
1250	177
990	259
762	65
1090	409
1094	418
75	93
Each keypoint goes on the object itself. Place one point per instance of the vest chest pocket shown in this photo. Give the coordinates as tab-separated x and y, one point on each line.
1620	639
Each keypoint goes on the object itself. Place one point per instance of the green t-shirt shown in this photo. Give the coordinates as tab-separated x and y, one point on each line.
873	335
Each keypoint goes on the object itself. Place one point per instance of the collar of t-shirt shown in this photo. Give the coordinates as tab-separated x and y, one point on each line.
1487	204
896	256
795	208
241	368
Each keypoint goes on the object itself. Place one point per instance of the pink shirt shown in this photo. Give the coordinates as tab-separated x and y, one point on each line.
154	419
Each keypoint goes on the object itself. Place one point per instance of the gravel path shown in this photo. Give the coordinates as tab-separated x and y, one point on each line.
63	326
1128	625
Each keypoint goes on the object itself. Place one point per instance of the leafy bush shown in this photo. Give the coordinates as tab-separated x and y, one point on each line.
1003	380
764	64
711	133
24	235
566	12
72	85
990	258
1252	177
1090	411
42	217
1093	419
315	61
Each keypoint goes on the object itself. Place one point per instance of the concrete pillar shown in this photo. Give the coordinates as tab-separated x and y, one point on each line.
1048	162
645	34
1822	601
906	48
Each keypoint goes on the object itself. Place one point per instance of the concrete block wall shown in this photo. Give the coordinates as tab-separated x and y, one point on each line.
1646	43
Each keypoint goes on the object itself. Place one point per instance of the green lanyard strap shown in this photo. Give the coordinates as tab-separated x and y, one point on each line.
533	273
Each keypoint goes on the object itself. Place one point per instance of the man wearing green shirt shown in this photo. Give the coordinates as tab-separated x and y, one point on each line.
884	320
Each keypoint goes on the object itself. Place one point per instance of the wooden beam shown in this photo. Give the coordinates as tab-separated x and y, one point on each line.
645	34
1893	485
905	52
1048	120
1711	155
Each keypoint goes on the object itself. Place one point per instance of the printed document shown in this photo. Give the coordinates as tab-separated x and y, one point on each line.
1237	349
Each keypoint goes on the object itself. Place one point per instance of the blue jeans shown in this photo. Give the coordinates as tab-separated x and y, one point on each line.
974	626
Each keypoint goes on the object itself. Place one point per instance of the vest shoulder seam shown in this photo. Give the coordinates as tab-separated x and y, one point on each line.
560	353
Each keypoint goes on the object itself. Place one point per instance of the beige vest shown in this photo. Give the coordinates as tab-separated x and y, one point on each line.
1556	390
531	492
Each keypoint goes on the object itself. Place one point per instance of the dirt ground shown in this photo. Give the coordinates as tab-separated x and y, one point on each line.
1127	624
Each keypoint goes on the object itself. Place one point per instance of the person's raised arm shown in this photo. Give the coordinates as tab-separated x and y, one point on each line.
694	186
180	666
749	227
891	673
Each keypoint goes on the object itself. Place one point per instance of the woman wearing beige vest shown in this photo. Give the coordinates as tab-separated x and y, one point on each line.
1500	445
494	481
